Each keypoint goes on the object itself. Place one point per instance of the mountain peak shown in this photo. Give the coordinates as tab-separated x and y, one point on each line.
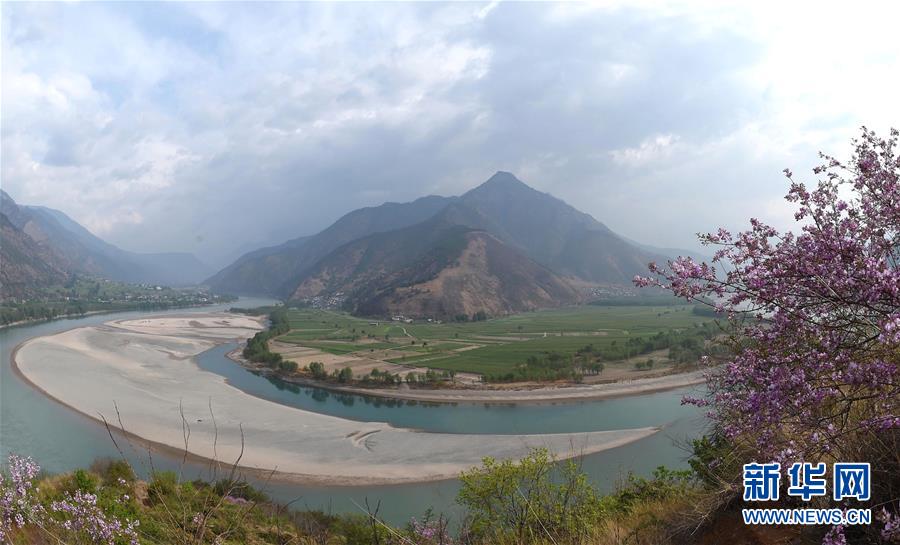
504	179
502	184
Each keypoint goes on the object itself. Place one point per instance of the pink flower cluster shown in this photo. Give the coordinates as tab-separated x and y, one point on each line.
815	311
835	536
18	505
890	533
236	500
430	532
82	514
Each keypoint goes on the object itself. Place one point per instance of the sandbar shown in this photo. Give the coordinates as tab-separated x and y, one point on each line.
144	372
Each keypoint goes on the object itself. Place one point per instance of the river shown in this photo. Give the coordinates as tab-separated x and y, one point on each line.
61	440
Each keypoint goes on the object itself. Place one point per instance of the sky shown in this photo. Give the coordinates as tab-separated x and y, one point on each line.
218	128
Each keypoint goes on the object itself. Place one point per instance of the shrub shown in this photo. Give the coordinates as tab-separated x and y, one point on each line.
665	484
163	485
111	470
239	489
516	501
82	481
360	530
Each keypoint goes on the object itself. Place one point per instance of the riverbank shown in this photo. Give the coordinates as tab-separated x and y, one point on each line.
532	394
144	371
75	316
60	317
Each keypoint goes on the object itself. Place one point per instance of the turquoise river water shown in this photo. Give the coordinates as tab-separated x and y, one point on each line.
60	439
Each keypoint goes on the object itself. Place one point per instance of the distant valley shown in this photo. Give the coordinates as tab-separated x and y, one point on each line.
43	247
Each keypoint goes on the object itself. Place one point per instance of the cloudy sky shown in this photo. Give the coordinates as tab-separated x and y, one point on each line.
215	128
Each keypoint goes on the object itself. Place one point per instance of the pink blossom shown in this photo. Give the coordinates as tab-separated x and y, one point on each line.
814	310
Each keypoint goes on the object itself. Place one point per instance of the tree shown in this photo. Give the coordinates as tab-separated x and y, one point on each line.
815	372
345	375
317	370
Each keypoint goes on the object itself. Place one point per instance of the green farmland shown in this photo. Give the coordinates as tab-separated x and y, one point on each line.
499	346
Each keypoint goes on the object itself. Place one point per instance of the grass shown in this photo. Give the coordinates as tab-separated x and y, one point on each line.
500	344
418	359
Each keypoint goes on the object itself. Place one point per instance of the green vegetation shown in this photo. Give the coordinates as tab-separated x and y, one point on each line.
317	370
537	500
545	366
257	348
563	344
344	375
642	300
255	311
534	501
167	510
510	502
377	376
338	348
564	356
82	295
430	377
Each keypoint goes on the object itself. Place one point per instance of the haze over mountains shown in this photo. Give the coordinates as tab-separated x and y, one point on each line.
501	247
42	247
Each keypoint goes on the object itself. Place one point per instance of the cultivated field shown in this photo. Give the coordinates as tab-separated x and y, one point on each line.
489	347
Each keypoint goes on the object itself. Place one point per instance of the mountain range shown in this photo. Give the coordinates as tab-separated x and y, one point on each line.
501	247
42	247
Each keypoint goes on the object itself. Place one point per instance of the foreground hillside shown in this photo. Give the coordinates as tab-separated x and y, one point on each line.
505	503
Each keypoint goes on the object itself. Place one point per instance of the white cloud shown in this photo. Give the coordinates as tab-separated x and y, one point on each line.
651	150
154	123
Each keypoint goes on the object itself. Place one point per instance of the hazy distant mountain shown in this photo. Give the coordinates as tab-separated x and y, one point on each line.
275	270
501	247
552	232
673	252
170	268
73	249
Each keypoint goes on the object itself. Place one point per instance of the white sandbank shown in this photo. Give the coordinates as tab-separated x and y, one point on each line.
146	368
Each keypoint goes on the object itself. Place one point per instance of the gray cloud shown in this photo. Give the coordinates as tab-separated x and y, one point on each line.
217	127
